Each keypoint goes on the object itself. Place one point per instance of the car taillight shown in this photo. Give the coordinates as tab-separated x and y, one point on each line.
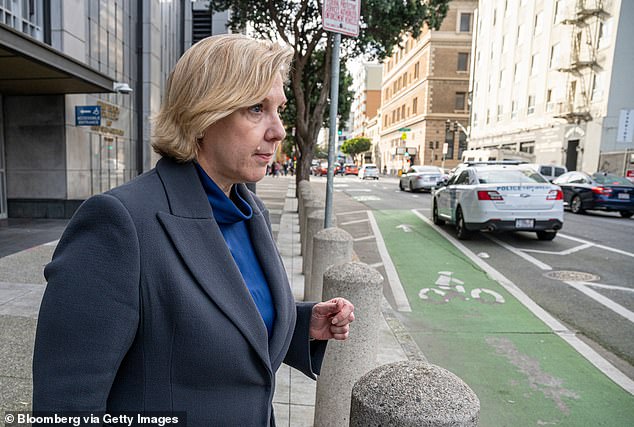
555	195
489	195
602	190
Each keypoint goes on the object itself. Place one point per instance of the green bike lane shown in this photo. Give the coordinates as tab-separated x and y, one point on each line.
523	373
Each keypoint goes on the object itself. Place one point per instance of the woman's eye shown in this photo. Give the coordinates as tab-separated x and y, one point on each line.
257	108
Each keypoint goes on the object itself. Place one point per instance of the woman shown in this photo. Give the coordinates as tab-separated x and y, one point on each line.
168	293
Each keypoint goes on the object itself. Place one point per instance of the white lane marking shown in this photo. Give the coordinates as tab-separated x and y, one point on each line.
402	304
360	239
610	287
564	252
557	327
607	248
617	308
354	222
340	185
365	198
365	190
352	212
405	227
521	254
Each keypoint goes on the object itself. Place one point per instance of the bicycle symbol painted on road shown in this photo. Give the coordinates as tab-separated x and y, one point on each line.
450	288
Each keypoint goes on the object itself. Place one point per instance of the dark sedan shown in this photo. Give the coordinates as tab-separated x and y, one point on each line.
600	191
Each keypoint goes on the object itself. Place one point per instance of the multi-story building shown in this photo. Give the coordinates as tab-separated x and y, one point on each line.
60	60
425	84
367	96
551	78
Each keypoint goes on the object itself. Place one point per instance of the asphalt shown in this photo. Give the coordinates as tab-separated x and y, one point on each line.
27	246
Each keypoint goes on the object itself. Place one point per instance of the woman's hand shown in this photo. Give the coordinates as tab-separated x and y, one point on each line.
331	319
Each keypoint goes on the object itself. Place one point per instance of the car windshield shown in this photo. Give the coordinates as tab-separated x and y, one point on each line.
370	167
609	179
500	176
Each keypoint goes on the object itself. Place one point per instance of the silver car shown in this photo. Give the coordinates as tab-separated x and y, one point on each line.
369	170
420	178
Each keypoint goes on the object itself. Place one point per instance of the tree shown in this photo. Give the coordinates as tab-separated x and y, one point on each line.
355	146
298	24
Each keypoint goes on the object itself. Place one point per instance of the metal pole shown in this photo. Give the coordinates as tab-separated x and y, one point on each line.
334	101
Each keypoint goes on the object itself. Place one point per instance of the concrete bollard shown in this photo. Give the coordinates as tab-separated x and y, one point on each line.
310	206
303	188
345	362
314	224
331	246
413	393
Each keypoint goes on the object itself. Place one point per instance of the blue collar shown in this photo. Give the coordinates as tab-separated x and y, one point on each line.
226	210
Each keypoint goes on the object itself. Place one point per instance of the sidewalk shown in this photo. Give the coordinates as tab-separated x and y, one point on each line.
22	286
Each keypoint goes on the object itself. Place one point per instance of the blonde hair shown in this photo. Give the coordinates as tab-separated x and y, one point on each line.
215	77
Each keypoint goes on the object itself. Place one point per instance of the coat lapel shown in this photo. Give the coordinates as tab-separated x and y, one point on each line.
199	241
273	267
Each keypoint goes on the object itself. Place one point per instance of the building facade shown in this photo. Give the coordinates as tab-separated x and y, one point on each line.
550	78
61	59
425	85
367	97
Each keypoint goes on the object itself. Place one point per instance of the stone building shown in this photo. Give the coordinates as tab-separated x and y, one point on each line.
425	85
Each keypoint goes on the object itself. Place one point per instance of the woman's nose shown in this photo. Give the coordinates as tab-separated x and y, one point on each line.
276	131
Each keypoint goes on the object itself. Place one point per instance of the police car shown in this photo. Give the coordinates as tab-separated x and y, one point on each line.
498	196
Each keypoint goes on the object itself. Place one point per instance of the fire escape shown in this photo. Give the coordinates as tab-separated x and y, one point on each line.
585	20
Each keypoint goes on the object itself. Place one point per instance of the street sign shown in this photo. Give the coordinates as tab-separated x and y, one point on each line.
88	115
445	148
626	126
342	16
404	136
400	151
404	130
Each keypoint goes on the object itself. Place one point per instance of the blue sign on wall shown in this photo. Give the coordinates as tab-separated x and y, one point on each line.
88	115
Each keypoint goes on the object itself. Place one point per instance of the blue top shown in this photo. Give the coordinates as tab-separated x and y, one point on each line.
230	214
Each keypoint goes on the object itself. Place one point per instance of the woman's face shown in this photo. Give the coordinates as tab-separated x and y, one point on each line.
238	147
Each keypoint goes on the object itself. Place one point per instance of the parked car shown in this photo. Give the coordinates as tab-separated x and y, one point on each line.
601	191
550	172
314	165
498	197
351	169
369	170
322	169
420	178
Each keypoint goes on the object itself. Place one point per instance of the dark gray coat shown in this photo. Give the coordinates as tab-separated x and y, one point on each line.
146	310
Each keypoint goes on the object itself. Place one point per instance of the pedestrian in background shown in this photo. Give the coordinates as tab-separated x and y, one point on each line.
168	293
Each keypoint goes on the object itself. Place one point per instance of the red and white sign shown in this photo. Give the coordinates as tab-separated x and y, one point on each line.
342	16
629	173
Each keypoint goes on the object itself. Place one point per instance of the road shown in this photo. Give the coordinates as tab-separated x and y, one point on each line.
583	278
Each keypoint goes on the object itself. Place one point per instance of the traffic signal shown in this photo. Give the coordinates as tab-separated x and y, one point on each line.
339	132
447	126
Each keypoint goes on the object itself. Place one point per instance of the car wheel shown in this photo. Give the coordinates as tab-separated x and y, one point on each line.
626	214
576	205
461	229
400	186
546	235
411	187
434	215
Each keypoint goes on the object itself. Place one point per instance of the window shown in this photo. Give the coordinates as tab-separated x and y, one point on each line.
549	100
554	56
556	18
502	79
488	117
460	100
463	61
463	178
538	22
465	22
416	69
403	111
520	34
527	147
534	64
605	33
597	86
531	104
500	112
415	106
513	109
